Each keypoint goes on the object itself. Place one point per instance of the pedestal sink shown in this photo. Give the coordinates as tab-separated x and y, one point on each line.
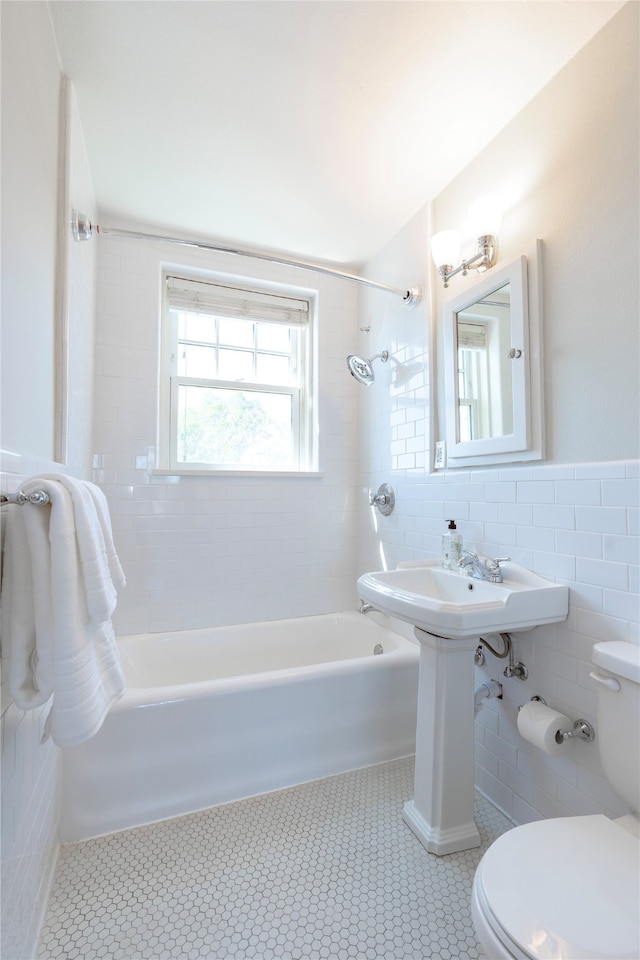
450	611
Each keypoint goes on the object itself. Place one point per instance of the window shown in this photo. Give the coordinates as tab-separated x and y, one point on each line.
237	379
472	340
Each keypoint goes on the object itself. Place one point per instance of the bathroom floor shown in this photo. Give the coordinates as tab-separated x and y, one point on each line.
326	869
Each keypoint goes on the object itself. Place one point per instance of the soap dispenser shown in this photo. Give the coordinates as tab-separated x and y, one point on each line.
451	547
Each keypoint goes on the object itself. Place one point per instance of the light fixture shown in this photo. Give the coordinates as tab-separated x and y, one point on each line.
485	216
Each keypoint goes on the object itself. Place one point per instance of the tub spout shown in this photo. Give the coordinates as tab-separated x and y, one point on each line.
486	691
367	607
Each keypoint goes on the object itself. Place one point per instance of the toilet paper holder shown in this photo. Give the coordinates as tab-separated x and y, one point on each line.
582	729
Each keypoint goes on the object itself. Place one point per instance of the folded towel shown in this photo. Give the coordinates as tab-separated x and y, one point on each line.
57	599
101	569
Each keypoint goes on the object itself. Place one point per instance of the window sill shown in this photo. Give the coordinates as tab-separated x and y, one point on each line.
236	473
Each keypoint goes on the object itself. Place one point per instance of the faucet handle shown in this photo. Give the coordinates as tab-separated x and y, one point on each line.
493	568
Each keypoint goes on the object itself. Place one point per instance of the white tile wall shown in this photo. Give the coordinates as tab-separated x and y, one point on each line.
563	525
201	551
29	790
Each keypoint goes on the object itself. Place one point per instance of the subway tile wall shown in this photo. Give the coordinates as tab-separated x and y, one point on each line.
204	550
577	524
29	787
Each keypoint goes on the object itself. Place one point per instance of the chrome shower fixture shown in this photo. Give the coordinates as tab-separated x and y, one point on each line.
361	369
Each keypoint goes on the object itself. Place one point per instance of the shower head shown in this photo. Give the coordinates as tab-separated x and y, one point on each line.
361	369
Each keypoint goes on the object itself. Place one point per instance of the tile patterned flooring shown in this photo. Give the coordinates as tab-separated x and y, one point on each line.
324	870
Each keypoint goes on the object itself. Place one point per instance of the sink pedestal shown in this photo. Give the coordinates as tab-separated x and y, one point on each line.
455	610
441	812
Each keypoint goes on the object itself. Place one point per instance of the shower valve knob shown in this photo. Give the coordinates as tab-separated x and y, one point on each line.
384	499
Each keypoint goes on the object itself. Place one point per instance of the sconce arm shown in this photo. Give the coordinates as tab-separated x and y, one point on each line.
487	254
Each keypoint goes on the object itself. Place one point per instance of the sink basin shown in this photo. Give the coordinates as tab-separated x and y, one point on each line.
449	603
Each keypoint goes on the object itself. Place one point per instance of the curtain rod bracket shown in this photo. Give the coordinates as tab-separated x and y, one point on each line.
83	229
412	296
80	226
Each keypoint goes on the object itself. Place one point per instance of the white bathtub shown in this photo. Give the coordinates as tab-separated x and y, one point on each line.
211	716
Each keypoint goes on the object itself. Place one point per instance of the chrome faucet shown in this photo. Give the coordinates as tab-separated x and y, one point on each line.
482	568
367	607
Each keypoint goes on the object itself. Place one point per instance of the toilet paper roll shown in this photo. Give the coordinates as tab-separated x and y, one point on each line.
539	724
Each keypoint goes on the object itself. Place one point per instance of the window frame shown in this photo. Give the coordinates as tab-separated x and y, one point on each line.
303	394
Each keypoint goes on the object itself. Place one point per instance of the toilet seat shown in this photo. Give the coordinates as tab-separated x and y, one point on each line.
566	888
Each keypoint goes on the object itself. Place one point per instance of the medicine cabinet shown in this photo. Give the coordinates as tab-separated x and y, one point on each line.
493	368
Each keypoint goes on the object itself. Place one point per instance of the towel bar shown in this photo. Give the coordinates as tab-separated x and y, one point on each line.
38	497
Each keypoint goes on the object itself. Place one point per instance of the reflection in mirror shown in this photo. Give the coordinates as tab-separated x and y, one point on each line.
493	369
485	390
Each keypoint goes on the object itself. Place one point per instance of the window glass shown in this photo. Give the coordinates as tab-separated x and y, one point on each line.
235	365
235	333
273	336
271	368
234	427
198	327
196	361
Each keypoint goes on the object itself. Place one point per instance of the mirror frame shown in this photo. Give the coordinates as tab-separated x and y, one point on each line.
525	442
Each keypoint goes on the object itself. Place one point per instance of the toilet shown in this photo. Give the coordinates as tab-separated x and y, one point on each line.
569	888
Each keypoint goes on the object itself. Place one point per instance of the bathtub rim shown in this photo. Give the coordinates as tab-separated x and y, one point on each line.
405	650
135	697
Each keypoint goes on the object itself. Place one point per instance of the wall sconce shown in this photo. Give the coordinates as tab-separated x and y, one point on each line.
485	217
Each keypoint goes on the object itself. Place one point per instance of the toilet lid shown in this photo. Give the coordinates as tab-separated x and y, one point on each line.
565	888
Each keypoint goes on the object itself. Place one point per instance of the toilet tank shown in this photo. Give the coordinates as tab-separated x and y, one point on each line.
617	677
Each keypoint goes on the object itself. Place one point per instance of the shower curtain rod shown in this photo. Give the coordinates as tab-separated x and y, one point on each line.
83	229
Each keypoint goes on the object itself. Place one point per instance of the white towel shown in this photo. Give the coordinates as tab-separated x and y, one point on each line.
58	595
101	568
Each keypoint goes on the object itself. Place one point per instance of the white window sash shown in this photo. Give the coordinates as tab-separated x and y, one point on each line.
298	443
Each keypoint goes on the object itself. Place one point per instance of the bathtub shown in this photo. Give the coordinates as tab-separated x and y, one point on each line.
211	716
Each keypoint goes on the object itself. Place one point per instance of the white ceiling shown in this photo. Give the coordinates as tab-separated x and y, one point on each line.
311	127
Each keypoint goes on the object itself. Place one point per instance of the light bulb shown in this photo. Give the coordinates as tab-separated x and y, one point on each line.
445	248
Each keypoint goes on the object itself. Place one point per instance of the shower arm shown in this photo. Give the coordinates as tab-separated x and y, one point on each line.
83	229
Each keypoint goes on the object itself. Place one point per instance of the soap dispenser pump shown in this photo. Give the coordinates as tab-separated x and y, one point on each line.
451	547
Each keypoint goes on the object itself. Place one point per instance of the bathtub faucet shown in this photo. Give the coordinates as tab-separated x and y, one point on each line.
367	607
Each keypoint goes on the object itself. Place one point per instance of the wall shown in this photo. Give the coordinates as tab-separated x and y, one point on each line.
41	136
396	411
565	170
205	550
568	164
30	108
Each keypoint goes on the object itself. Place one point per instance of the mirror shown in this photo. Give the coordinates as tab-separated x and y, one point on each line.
492	360
485	383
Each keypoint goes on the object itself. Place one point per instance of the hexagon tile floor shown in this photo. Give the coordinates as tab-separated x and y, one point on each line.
326	869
